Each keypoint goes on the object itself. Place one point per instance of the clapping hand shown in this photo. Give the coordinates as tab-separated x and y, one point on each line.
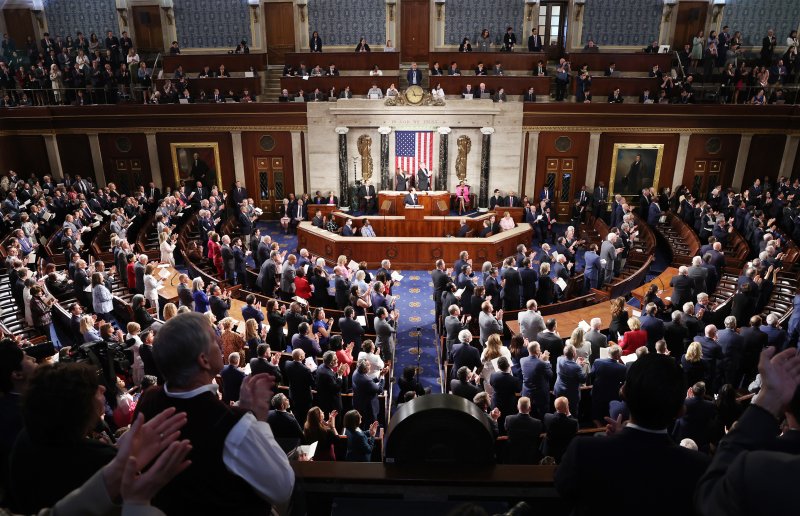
495	414
613	425
256	393
373	428
780	376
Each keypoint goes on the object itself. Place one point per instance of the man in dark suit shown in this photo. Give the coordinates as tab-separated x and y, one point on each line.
534	41
653	325
411	198
754	341
464	354
600	200
367	200
351	330
284	425
551	341
682	287
561	427
464	384
712	356
676	335
246	223
463	228
329	383
732	345
264	363
537	375
365	393
776	336
505	387
512	286
239	193
232	378
608	375
529	278
262	251
523	432
454	323
654	392
696	421
653	213
496	200
414	75
301	381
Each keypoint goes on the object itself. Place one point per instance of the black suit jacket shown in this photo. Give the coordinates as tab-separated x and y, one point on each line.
524	437
506	386
263	365
465	355
352	331
667	489
681	289
464	389
329	388
560	429
301	382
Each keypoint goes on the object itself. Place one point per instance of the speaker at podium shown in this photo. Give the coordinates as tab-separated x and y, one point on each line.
387	207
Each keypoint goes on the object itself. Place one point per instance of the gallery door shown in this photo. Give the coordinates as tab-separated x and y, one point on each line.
19	24
559	178
147	28
126	174
553	28
414	30
279	27
691	18
273	183
705	177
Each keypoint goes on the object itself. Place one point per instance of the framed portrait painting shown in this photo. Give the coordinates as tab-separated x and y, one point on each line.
635	166
192	162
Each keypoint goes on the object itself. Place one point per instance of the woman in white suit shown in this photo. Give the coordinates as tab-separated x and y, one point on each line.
151	284
167	246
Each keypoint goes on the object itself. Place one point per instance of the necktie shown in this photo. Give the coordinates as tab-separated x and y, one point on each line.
583	194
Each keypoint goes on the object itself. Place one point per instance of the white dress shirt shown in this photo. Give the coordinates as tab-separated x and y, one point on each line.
252	453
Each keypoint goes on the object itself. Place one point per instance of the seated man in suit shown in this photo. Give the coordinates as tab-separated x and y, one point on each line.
530	95
347	229
411	198
654	392
465	384
463	229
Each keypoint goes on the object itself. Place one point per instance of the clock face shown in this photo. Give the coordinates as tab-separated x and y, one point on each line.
414	94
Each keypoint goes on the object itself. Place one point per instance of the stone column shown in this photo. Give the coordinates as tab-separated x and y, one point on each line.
529	188
238	156
789	155
97	159
444	165
297	161
384	182
155	167
591	164
741	161
486	146
51	144
344	183
680	161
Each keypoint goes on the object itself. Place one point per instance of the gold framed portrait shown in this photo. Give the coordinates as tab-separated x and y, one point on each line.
635	166
191	161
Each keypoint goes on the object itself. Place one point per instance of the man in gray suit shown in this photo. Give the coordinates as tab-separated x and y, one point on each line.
531	321
488	323
385	329
608	252
453	324
268	273
597	339
698	275
287	278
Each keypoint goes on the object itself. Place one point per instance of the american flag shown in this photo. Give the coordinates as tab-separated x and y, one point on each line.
413	149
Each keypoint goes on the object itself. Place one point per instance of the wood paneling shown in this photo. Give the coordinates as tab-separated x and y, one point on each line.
701	149
24	154
223	140
252	149
576	157
147	27
766	153
132	148
638	62
365	61
468	61
691	17
606	152
76	155
279	30
193	64
414	29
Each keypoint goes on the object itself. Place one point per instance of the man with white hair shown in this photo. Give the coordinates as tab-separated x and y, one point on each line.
232	377
676	334
464	354
682	287
608	254
703	308
732	346
776	335
596	338
712	356
690	320
698	275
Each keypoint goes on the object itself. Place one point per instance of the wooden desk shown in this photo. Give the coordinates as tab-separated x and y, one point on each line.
662	280
193	64
428	200
324	209
170	290
359	84
237	84
346	60
638	62
513	85
568	321
468	61
628	86
411	252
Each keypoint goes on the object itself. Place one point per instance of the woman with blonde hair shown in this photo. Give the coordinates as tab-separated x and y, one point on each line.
252	338
88	331
151	284
494	349
694	369
167	245
633	339
284	216
583	348
231	341
341	261
170	311
507	222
